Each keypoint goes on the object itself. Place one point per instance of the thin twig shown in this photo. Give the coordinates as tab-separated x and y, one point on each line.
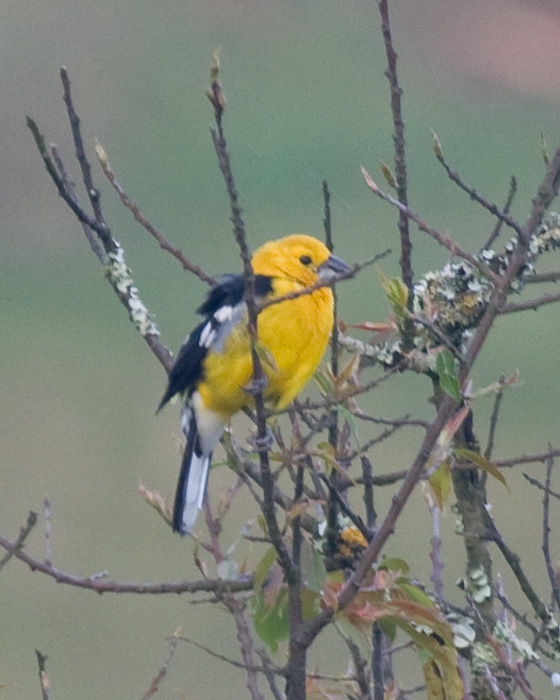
43	678
217	99
164	244
552	575
94	584
399	145
160	675
473	194
367	476
228	660
507	206
13	548
542	277
542	487
531	304
443	240
344	507
494	420
527	459
48	531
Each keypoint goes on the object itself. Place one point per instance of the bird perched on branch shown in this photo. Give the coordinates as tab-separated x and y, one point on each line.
214	366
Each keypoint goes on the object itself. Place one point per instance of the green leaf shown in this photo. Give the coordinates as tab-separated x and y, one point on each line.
397	293
263	568
395	564
440	481
481	462
414	593
317	573
445	367
271	622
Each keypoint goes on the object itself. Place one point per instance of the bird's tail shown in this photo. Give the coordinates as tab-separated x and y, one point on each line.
192	479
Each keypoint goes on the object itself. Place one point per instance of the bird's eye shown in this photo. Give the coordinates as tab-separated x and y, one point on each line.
305	260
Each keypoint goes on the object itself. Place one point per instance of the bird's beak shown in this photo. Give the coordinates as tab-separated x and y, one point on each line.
332	268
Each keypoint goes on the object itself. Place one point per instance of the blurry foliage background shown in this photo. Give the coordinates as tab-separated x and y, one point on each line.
307	100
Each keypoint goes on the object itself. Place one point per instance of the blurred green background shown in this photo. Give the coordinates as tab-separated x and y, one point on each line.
307	100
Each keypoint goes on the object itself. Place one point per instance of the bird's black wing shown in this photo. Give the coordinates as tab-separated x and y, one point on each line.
223	308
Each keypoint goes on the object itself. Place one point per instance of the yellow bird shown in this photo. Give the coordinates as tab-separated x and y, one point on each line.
214	365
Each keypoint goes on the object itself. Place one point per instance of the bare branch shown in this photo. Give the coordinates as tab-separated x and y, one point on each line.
531	304
444	241
129	204
14	547
93	584
552	575
43	678
509	200
399	144
160	675
473	194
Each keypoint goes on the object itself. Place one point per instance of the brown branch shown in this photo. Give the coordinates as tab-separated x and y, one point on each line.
100	586
527	459
509	200
160	675
444	241
399	144
15	547
246	647
552	576
542	277
494	420
217	99
43	678
473	194
116	270
164	244
541	487
531	304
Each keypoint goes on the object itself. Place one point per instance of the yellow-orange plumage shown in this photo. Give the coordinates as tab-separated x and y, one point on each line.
214	366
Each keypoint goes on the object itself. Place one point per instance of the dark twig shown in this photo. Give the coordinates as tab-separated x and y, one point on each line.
542	487
48	531
552	575
13	548
327	224
344	507
164	244
160	675
377	663
499	223
514	563
43	678
367	476
527	459
91	190
228	660
116	270
473	194
399	144
531	304
542	277
245	645
217	99
444	241
494	420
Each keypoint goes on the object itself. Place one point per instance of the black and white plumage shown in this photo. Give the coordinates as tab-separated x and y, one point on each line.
223	310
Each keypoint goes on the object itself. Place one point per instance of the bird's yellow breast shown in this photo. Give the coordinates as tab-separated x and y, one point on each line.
294	332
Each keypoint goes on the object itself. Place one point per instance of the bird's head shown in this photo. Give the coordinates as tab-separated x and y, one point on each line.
298	257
